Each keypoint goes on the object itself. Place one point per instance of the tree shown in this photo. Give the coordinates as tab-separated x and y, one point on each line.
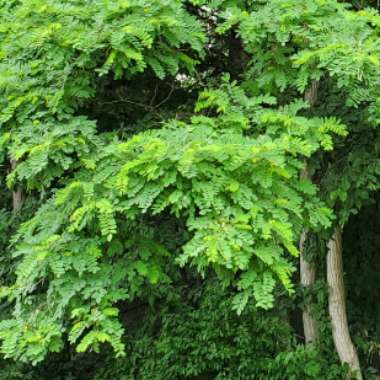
144	153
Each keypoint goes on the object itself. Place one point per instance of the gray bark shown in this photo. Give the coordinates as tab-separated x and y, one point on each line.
17	197
308	269
308	274
311	93
337	305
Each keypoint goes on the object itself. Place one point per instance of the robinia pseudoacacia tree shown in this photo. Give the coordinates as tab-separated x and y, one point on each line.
157	133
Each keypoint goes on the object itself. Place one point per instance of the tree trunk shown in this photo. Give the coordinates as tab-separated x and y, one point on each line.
337	305
17	198
308	269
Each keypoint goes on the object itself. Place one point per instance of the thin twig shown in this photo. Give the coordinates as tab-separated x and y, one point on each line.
167	98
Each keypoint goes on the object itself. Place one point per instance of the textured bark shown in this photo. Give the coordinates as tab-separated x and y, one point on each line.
337	305
308	274
311	93
17	197
308	269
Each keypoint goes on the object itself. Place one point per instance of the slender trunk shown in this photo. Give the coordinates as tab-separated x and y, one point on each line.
337	305
311	93
17	198
308	269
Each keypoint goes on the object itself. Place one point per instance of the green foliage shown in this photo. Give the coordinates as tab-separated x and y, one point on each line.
52	55
305	363
46	151
130	186
202	338
222	192
194	334
293	42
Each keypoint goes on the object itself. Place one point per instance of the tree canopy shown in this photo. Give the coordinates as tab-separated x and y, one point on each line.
164	164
